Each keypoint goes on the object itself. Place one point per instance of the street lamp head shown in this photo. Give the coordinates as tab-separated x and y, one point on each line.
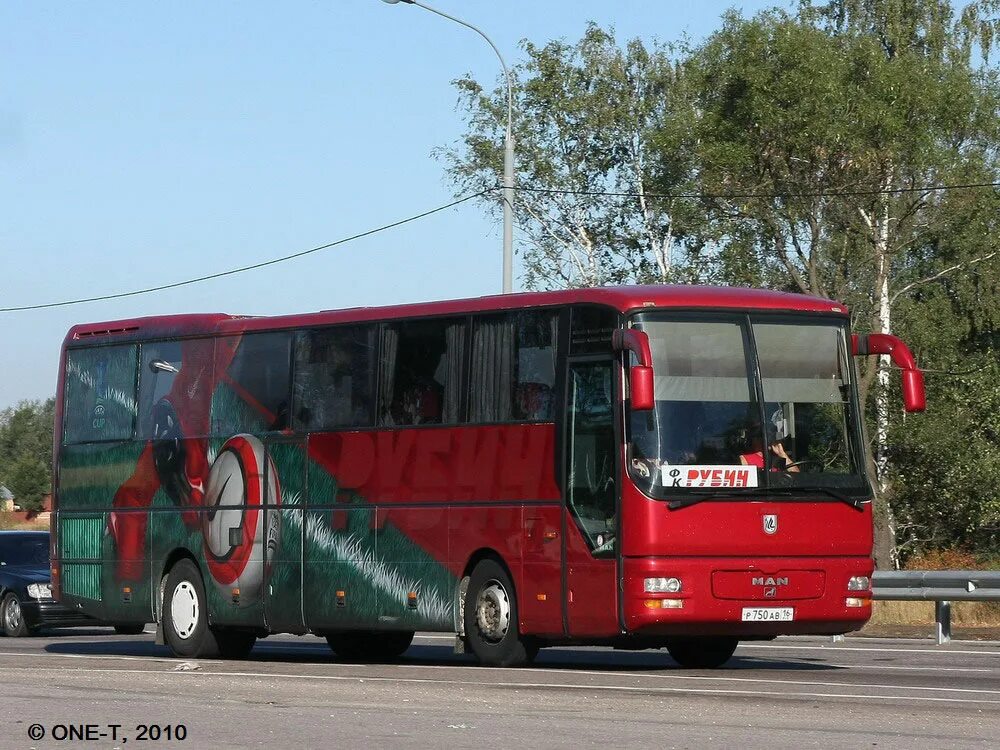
393	2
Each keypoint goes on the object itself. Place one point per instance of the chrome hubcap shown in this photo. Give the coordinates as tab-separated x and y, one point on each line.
12	616
493	611
184	610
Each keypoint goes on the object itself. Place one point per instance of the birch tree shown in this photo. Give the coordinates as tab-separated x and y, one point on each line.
819	135
591	117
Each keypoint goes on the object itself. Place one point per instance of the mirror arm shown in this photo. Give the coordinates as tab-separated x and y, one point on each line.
914	396
884	343
637	342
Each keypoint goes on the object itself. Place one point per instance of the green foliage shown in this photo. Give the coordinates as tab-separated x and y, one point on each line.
26	450
800	141
589	117
30	480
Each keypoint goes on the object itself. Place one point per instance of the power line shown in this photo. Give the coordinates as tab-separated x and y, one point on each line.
252	267
817	194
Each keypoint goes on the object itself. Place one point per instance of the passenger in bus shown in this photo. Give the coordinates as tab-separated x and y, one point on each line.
533	401
420	404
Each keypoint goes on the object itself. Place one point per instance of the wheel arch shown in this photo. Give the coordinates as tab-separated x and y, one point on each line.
483	553
174	557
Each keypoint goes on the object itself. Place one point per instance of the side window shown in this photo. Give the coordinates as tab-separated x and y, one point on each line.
159	366
176	385
513	367
253	394
100	394
334	378
421	372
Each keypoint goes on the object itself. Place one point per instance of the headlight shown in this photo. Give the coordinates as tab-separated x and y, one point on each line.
40	590
661	585
859	583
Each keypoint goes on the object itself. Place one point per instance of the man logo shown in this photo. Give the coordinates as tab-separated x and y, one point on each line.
770	592
770	524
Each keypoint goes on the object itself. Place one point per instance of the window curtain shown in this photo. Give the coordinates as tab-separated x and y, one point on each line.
454	356
492	370
390	351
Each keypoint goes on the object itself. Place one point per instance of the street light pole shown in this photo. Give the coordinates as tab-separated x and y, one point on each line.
508	151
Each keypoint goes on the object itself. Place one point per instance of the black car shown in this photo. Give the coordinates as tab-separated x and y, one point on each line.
26	602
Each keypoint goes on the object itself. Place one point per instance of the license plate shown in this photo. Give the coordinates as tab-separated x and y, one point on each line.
768	614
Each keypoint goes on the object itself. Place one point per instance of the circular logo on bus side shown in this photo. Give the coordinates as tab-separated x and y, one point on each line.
233	526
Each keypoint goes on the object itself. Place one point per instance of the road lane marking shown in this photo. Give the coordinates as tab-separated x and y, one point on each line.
274	648
673	676
519	685
833	647
471	669
117	657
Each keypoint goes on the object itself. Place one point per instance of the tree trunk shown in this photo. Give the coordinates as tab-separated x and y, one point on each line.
885	522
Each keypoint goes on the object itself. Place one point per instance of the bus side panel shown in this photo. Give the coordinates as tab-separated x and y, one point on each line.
283	568
421	598
592	594
431	498
499	528
540	589
109	580
341	578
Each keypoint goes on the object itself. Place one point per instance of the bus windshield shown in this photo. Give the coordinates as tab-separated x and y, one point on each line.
747	402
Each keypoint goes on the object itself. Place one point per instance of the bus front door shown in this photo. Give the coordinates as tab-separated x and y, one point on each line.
591	500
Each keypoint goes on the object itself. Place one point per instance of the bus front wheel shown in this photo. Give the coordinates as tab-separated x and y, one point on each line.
491	621
185	613
702	652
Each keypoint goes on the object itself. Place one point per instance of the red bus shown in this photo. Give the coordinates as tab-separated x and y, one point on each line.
642	467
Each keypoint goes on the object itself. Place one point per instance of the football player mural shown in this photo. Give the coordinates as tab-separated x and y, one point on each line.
224	496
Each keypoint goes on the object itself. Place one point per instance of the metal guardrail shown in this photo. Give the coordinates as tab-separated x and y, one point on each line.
939	586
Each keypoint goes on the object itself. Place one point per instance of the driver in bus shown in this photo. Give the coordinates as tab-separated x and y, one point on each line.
777	431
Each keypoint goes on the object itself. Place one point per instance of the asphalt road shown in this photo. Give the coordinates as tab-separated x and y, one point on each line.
293	693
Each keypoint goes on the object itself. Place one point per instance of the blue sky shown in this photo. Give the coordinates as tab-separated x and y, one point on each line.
143	143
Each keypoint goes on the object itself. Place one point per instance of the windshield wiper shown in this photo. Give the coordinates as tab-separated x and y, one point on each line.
854	502
696	497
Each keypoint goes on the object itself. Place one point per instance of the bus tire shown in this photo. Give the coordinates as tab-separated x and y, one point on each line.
234	644
491	622
185	613
702	652
370	645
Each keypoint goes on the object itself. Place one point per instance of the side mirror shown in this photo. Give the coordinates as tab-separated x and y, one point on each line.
641	375
641	385
914	396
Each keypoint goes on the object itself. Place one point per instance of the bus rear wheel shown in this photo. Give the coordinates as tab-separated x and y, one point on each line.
370	645
185	613
491	621
702	652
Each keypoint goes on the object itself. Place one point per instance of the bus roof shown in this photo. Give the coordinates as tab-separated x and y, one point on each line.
622	298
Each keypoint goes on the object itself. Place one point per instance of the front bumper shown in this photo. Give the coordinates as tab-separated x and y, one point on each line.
819	606
48	613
